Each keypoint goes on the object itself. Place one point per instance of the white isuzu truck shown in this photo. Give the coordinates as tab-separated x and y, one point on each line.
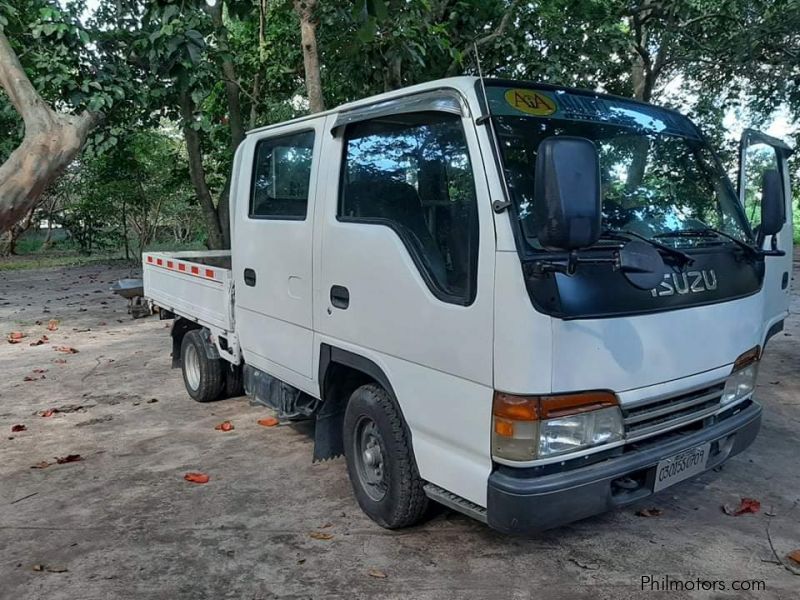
529	303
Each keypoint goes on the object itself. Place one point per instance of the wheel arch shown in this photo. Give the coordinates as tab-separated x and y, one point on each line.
341	372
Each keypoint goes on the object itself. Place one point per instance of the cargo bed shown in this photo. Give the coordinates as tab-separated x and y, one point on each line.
195	285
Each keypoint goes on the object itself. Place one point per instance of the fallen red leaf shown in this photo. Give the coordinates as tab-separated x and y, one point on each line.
32	378
52	325
68	458
18	428
196	477
15	336
42	340
747	505
794	556
65	349
47	413
268	422
224	426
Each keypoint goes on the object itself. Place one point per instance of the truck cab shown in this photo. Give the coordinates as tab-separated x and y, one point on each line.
529	303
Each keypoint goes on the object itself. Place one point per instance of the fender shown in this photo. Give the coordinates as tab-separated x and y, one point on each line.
328	442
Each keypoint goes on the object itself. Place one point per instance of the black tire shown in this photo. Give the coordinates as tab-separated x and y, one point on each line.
234	380
202	376
392	496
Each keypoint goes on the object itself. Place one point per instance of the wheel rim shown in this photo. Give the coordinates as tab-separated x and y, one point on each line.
368	452
191	366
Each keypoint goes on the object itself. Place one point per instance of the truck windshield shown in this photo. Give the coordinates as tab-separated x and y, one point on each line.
659	179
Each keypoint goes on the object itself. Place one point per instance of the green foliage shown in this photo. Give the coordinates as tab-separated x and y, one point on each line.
132	60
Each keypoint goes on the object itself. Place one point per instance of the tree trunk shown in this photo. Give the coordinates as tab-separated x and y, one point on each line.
51	141
197	172
308	38
235	119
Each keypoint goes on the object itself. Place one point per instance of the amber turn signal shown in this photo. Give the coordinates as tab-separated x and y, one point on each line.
747	358
535	408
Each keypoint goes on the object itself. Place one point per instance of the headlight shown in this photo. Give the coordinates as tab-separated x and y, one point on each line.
529	427
742	381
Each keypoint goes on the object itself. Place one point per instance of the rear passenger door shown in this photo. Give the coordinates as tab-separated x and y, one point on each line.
273	249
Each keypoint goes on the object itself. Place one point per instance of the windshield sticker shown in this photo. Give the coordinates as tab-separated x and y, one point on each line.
531	102
562	104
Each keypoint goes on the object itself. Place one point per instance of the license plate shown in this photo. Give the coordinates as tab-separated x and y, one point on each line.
681	466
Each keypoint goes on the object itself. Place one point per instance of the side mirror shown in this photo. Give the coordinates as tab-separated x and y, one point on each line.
566	194
773	208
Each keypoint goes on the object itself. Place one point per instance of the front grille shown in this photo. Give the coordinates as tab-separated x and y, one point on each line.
648	417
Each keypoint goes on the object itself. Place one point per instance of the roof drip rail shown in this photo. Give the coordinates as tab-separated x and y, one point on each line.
448	101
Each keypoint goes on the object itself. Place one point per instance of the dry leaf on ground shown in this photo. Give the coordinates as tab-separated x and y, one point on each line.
42	464
65	349
68	458
320	535
377	573
52	325
794	556
42	340
747	505
224	426
649	512
18	428
15	336
268	422
196	477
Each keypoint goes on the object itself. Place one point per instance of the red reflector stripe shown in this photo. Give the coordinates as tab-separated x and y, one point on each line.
149	259
195	271
159	262
210	273
181	267
169	264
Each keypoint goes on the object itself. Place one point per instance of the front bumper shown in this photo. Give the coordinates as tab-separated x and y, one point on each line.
520	503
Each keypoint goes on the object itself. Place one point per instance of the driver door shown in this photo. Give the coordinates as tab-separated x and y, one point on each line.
758	154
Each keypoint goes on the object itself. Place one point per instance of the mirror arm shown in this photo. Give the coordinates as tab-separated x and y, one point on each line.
774	250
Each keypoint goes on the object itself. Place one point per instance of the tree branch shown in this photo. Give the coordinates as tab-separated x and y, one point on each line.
490	37
24	97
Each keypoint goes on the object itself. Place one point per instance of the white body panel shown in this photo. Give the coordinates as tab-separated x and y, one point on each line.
274	316
630	352
177	282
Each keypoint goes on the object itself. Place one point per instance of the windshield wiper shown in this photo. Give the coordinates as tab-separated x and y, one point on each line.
619	234
709	232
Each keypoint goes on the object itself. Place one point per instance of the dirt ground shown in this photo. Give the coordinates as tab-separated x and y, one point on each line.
123	523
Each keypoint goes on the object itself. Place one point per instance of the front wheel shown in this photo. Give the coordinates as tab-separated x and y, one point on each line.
380	460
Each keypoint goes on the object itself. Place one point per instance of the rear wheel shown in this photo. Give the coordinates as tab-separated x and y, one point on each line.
202	376
380	460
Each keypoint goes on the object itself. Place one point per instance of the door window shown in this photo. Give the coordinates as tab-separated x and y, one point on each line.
412	173
281	177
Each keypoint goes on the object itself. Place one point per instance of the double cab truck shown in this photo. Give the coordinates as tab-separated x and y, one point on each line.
529	303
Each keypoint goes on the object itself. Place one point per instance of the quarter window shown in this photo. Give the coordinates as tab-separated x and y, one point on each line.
412	173
281	177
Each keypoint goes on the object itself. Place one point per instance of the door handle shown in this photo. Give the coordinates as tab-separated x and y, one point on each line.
340	296
249	277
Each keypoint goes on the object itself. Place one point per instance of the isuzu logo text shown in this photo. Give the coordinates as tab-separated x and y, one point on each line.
691	282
